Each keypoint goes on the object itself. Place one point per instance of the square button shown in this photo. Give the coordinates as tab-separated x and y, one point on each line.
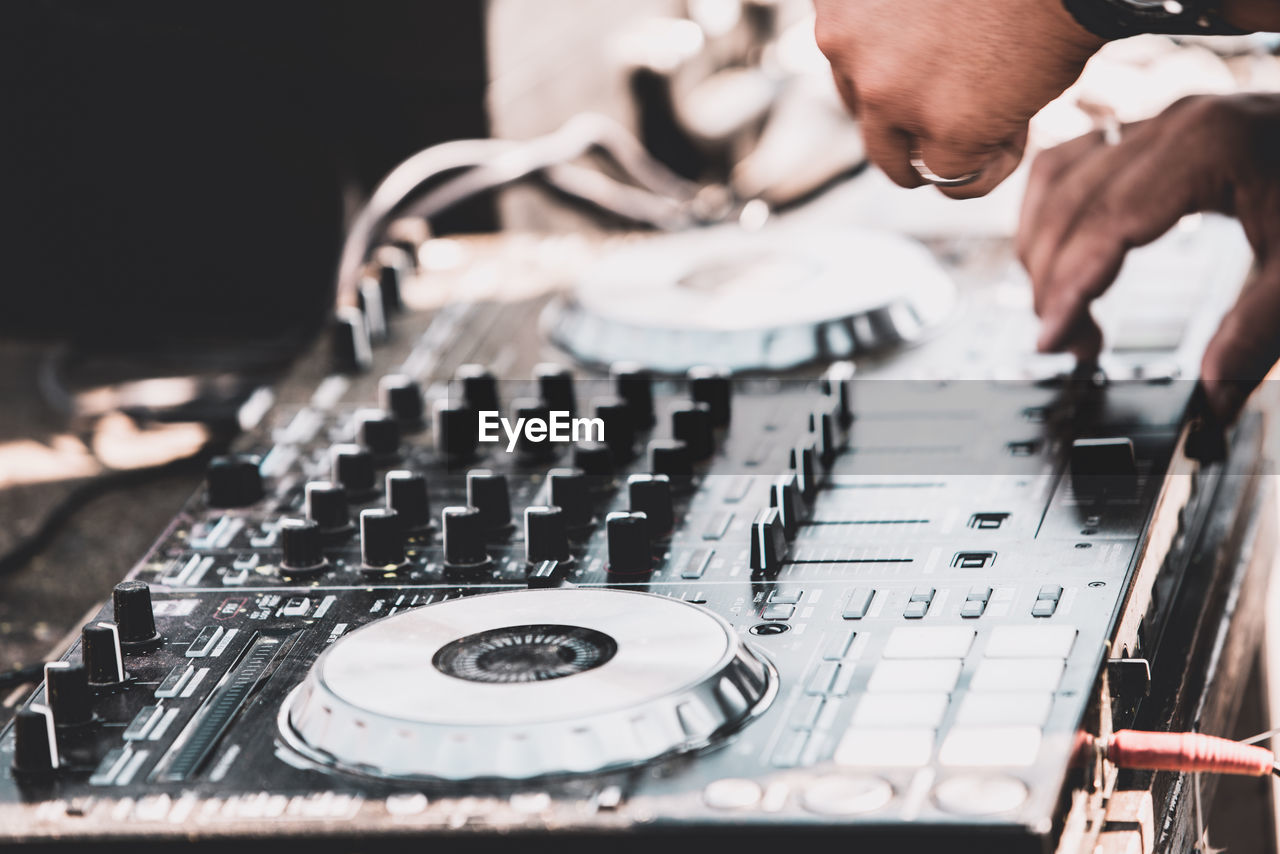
1050	591
1044	608
929	642
1005	746
858	604
822	678
786	595
915	610
899	710
1016	675
777	612
838	646
1031	641
914	675
805	713
1004	709
896	748
972	608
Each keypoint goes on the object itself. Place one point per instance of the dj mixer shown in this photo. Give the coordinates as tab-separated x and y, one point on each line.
835	556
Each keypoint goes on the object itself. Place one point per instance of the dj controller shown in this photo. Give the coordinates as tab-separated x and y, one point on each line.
830	558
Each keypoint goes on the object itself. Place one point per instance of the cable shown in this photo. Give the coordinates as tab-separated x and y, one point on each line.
493	163
1187	752
36	542
21	676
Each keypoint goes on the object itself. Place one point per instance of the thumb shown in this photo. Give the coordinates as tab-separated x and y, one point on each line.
1245	347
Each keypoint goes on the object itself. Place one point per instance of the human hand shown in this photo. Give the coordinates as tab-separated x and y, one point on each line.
1088	203
956	81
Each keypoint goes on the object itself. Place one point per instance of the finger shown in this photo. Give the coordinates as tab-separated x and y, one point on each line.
953	157
1047	168
1074	194
1245	347
889	147
1145	197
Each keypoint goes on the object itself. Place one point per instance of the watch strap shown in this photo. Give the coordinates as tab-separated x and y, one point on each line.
1118	19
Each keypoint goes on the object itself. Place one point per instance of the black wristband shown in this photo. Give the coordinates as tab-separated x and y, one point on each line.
1118	19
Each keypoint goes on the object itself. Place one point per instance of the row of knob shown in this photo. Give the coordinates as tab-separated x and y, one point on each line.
465	530
235	481
70	687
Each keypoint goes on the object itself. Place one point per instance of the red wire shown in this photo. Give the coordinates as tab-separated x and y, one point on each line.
1187	752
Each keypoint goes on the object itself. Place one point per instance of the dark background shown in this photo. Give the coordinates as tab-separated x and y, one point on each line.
181	171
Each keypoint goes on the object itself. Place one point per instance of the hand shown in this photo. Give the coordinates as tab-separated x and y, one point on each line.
1088	203
957	80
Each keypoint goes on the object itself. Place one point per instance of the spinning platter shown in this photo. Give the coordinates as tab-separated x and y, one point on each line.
526	684
753	300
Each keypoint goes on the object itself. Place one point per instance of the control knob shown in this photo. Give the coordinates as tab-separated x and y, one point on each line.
131	601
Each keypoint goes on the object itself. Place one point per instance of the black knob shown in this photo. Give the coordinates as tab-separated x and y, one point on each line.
785	495
402	397
66	689
545	534
824	427
463	537
369	297
671	457
487	493
479	388
837	384
650	494
353	468
352	351
619	427
326	505
595	460
692	425
455	431
379	432
233	481
381	539
546	574
35	743
768	543
634	384
100	650
543	448
302	546
131	601
1103	465
570	490
407	495
630	545
804	463
555	387
713	387
389	286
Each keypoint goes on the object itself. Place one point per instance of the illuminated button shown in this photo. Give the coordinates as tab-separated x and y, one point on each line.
1006	746
929	642
915	675
1017	674
899	710
982	709
1046	641
900	748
